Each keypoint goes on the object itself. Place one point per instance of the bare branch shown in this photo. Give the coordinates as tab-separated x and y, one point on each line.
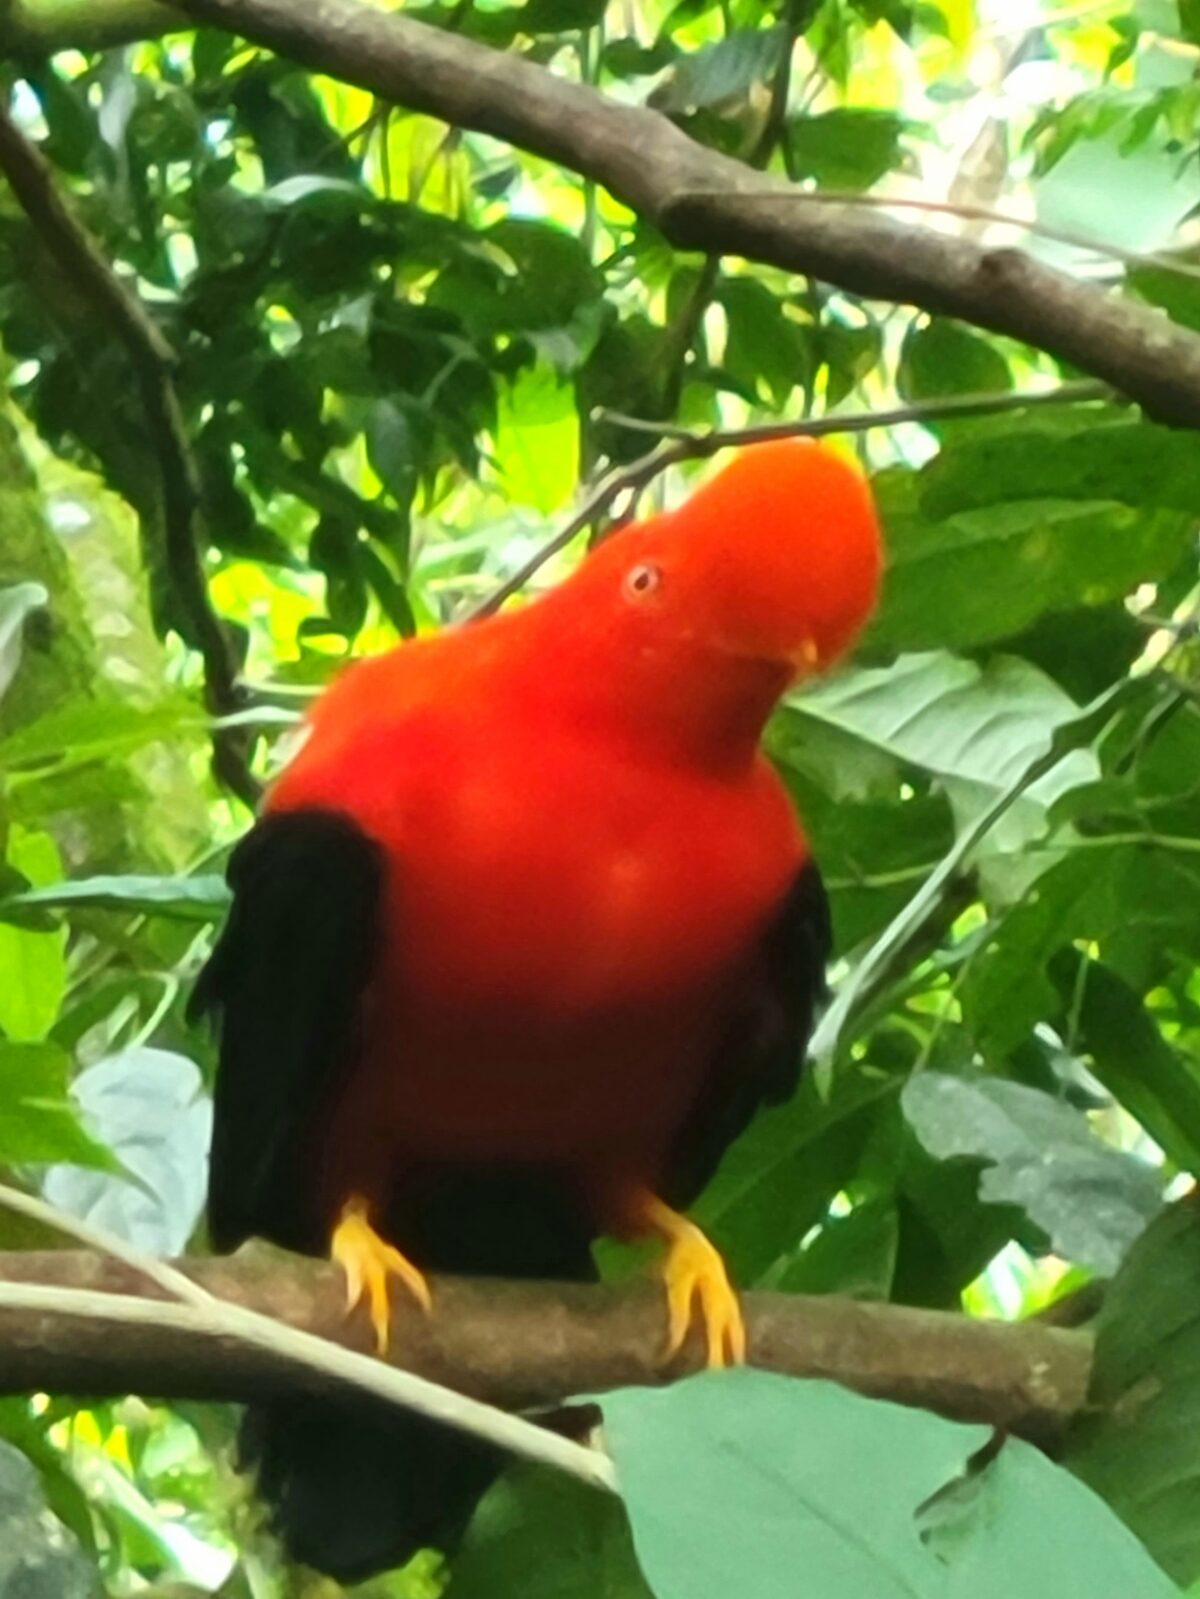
30	28
517	1345
702	200
153	361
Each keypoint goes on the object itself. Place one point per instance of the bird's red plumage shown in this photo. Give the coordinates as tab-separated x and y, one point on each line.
583	844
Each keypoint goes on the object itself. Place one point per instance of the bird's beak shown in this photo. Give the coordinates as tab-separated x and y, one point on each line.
806	658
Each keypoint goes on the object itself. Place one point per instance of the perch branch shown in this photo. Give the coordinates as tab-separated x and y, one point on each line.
153	361
516	1345
703	200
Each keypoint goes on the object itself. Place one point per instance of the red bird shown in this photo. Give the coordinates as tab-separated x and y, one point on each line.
527	933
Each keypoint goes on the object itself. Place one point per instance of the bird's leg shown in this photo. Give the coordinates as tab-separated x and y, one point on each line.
695	1278
368	1262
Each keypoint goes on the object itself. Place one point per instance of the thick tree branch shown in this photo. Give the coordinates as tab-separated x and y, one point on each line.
705	201
153	362
526	1345
33	29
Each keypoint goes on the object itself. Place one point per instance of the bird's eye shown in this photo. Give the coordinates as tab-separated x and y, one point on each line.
642	579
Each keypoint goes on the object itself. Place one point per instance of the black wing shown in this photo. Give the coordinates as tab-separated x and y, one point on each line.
286	978
763	1052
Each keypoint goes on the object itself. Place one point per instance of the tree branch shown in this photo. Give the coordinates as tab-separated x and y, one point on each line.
518	1345
702	200
153	361
30	28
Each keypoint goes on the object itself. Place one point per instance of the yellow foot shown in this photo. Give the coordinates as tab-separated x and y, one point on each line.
697	1284
368	1263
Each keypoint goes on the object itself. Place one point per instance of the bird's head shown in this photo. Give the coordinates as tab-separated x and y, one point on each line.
776	560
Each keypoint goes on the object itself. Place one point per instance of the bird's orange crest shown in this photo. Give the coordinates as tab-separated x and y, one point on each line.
776	558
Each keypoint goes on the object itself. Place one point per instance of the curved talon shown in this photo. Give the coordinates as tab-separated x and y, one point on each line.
697	1283
368	1262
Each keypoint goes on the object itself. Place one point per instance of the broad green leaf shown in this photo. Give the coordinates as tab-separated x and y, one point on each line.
541	1535
149	1107
974	728
331	194
991	571
940	357
853	1255
1145	1073
780	1177
559	16
38	1123
763	343
1138	1442
848	148
16	603
721	72
746	1482
1137	904
1095	458
1090	1199
91	731
33	964
537	443
203	898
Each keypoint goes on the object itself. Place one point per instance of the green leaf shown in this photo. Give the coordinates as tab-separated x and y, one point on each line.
1096	457
560	16
33	964
1136	904
746	1482
764	343
204	898
780	1177
940	357
16	603
721	72
854	1255
541	1535
1130	1056
1137	1443
331	195
847	148
537	442
975	728
92	730
1178	296
38	1123
990	571
1090	1199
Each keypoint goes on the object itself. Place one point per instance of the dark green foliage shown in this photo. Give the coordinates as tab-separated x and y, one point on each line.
399	349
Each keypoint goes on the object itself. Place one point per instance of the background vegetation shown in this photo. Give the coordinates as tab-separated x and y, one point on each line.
404	354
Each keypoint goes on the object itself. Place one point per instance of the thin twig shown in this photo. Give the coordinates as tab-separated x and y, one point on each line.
978	213
219	1320
887	952
174	1282
684	444
208	1316
154	364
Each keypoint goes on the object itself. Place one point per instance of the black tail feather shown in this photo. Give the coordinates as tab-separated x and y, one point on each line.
353	1488
353	1494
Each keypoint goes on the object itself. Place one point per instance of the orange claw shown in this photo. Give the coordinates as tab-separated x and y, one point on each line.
697	1284
368	1262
